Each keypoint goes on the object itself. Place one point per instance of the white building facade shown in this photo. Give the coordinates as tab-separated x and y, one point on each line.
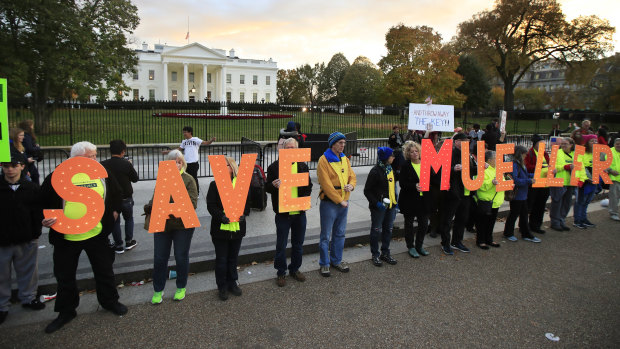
197	73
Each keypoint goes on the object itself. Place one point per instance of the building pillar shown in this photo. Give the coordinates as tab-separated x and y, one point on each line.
204	82
224	109
166	98
185	83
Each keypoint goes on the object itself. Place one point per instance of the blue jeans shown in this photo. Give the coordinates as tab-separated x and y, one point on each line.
582	201
162	243
297	225
333	226
382	222
127	213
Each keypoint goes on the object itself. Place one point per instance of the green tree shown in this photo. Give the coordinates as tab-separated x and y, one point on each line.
418	65
518	33
362	83
599	82
531	98
329	81
309	80
496	101
475	87
58	49
289	89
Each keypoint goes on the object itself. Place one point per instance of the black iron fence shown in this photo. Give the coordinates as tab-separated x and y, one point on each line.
162	122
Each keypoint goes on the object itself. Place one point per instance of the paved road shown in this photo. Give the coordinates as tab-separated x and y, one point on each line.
507	297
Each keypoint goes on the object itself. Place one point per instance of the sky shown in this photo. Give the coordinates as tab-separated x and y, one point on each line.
295	32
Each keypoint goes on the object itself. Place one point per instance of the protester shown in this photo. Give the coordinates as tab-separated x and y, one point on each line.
17	137
518	206
125	174
537	196
396	141
614	175
190	146
488	202
381	194
556	132
294	221
585	190
337	181
476	133
291	131
21	215
492	136
561	197
173	233
32	149
67	248
413	203
226	236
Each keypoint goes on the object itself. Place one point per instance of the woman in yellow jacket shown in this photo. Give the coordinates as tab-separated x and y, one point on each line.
488	202
337	181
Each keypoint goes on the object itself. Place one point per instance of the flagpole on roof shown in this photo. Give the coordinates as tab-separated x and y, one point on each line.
187	36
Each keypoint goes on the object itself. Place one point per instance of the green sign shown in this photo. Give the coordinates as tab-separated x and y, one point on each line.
5	150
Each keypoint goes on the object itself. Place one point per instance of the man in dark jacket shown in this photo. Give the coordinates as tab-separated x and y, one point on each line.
21	215
293	221
67	248
125	174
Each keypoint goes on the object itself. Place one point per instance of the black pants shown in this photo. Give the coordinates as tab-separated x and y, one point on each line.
518	208
436	207
422	217
226	256
536	202
450	206
484	226
471	221
192	170
101	257
461	216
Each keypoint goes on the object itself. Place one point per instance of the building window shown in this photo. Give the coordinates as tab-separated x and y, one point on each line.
228	78
174	76
267	80
242	79
136	94
191	77
209	78
255	97
136	76
175	95
255	80
241	97
228	96
267	97
151	75
151	95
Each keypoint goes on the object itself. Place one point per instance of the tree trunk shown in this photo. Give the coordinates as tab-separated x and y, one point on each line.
509	96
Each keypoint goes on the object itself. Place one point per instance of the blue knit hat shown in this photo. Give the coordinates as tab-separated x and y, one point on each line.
335	137
384	153
290	126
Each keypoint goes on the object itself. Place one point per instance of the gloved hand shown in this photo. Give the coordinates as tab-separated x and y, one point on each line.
224	219
147	209
380	206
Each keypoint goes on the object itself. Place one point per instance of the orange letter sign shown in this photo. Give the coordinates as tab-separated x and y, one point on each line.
170	184
289	180
577	164
61	181
472	184
503	167
552	181
233	199
435	160
599	166
540	176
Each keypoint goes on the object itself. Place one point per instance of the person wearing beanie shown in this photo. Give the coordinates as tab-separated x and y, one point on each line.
290	132
561	197
337	180
585	190
537	197
381	194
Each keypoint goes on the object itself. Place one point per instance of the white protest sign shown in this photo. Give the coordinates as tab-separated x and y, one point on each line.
502	120
434	117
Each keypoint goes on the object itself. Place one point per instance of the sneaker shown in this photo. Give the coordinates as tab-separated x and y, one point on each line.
376	261
531	239
179	295
222	294
422	251
512	238
130	244
235	290
119	249
35	304
615	217
460	247
579	225
158	297
342	267
447	250
281	280
388	259
414	253
3	315
325	270
60	321
299	276
589	224
117	308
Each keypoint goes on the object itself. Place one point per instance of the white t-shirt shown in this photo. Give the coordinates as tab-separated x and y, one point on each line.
190	149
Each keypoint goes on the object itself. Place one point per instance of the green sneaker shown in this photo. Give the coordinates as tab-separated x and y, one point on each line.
179	295
157	297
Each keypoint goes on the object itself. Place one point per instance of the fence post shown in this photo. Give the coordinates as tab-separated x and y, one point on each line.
363	112
143	129
262	121
70	126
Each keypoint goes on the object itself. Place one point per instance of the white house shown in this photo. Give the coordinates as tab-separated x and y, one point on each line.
195	73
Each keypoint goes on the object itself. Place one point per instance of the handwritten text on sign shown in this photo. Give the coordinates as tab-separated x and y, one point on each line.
440	117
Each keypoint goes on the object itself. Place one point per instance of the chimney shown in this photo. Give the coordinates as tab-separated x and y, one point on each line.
145	46
232	53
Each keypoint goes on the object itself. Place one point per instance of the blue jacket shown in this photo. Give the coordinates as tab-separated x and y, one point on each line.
522	180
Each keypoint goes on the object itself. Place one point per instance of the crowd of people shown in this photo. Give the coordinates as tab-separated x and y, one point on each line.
392	187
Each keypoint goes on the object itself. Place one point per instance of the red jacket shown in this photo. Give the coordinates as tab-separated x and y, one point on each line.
530	160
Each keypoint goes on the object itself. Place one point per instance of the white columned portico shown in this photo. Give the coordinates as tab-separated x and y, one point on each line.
185	83
204	82
166	98
224	109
